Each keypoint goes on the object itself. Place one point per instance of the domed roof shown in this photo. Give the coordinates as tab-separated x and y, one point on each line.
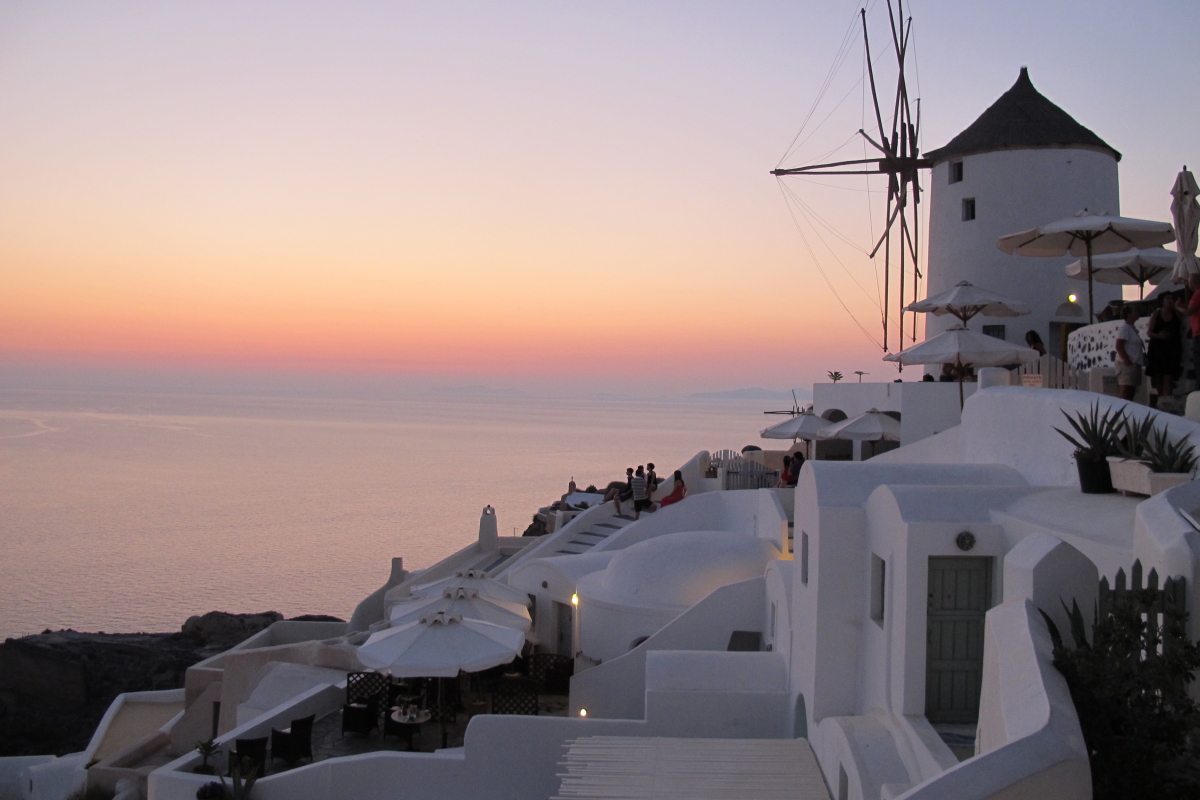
1022	117
680	569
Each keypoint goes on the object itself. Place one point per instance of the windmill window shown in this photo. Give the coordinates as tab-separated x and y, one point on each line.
956	172
968	209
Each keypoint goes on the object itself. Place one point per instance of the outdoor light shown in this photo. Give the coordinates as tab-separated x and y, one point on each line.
1071	298
583	712
574	599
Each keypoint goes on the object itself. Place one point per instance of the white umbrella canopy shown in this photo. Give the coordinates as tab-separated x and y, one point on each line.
465	603
440	646
801	426
872	426
474	580
1130	268
965	348
1087	234
965	300
1185	210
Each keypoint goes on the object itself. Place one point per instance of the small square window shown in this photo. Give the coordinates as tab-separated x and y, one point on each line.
995	331
968	209
956	172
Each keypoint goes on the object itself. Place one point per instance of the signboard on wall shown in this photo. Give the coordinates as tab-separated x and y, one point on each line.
1032	381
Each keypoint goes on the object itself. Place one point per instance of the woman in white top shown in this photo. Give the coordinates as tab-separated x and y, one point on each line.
1130	356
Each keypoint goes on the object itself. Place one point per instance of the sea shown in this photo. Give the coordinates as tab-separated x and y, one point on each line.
132	512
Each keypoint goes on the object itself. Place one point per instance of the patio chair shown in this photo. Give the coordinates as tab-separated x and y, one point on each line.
294	742
365	695
253	749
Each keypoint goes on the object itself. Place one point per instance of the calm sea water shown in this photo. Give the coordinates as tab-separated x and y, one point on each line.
133	512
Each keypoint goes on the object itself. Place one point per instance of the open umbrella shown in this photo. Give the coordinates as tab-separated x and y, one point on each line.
963	348
873	426
440	646
466	603
802	426
1087	234
475	580
965	300
1185	210
1130	268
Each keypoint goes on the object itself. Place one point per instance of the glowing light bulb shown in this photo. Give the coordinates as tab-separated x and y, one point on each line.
575	599
583	712
1072	297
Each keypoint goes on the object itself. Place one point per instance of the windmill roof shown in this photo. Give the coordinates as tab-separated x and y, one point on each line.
1023	117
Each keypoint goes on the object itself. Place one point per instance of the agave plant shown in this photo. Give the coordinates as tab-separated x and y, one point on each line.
242	778
1164	455
1133	437
1098	432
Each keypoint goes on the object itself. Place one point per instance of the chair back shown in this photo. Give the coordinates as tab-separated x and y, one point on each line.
302	728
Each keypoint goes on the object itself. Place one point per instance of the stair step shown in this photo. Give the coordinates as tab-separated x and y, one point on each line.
572	552
609	525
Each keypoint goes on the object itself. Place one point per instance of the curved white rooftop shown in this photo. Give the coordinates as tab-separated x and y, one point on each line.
678	570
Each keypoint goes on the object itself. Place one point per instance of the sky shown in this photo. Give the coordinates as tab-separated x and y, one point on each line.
572	196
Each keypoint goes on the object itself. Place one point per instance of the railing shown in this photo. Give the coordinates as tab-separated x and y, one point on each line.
1054	373
741	473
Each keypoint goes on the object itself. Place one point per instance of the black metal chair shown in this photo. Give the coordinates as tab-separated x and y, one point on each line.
551	673
295	742
515	698
255	750
365	694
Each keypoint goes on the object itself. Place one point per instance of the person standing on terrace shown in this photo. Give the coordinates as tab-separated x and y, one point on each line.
1129	356
1193	315
1164	353
638	484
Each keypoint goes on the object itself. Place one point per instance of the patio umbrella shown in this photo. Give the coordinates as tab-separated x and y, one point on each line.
440	646
1186	213
965	300
801	426
1130	268
475	580
466	603
962	347
873	426
1087	234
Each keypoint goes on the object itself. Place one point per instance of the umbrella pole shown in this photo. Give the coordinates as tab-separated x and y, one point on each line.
442	712
960	385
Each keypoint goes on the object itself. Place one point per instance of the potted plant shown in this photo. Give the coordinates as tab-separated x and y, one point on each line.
1129	470
206	750
1098	438
1171	463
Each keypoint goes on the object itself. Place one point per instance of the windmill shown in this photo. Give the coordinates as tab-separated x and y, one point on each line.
899	159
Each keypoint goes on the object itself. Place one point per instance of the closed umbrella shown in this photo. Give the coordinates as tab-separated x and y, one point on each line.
964	348
1185	210
965	300
1087	234
466	603
1131	268
801	426
475	580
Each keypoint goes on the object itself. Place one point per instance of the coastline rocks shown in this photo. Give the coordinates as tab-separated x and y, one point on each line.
55	686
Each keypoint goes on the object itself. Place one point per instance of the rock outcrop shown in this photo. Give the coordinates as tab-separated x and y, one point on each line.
55	686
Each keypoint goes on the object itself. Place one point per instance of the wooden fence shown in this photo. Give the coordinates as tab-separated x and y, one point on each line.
1158	608
742	473
1054	374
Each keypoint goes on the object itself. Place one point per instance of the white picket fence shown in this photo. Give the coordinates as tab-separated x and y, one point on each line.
742	473
1052	373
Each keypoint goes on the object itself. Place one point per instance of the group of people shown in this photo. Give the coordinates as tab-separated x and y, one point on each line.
790	473
1162	358
639	487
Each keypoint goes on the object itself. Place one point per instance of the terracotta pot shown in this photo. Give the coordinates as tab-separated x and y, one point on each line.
1094	477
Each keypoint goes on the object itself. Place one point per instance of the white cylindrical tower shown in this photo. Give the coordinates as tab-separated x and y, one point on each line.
1025	162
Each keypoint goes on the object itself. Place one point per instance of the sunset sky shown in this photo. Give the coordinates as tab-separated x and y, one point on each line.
572	196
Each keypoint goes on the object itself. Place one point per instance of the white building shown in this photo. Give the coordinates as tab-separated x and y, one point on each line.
1025	162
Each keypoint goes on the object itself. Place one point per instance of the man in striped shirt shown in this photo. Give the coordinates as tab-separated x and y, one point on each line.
638	484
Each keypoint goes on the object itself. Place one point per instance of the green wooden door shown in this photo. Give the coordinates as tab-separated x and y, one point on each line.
960	593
